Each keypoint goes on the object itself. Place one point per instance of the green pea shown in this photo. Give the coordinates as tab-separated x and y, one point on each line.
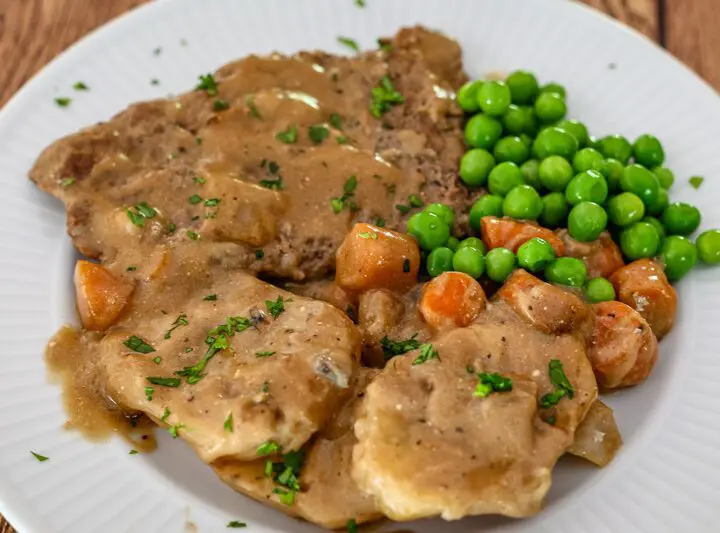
648	151
660	203
430	230
586	221
615	147
576	129
504	177
554	141
523	202
439	260
708	245
511	149
679	255
555	173
475	166
589	186
550	107
535	254
680	218
494	98
612	170
599	290
453	243
588	159
519	119
469	260
467	96
566	271
488	205
555	210
499	264
445	212
530	171
523	86
665	176
655	223
640	181
473	242
482	131
553	87
625	209
639	241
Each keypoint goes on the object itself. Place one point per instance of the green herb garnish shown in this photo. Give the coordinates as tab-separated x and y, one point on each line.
154	81
427	352
338	204
415	201
199	180
289	136
164	382
492	383
384	97
252	108
80	86
336	121
406	265
192	235
131	268
212	202
404	209
268	448
220	105
179	321
562	385
352	524
165	415
157	360
259	254
274	185
40	458
236	524
62	101
318	134
275	308
66	182
207	84
173	430
228	425
132	452
210	298
350	43
392	348
149	391
264	354
380	222
136	344
138	213
368	235
195	199
696	181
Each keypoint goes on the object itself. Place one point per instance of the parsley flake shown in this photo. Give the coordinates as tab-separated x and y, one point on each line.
492	383
62	101
264	354
40	458
212	202
318	134
192	235
157	360
406	265
179	321
80	86
164	382
427	352
259	254
404	209
66	182
415	201
154	81
252	108
380	222
275	308
132	452
195	199
199	180
138	213
368	235
287	497
392	348
228	425
336	121
352	524
384	97
136	344
350	43
696	181
173	430
207	84
338	204
149	391
165	415
131	268
273	185
220	105
562	385
360	3
268	448
210	298
289	136
236	524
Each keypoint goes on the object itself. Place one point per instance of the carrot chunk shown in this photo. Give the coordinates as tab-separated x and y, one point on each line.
511	234
452	299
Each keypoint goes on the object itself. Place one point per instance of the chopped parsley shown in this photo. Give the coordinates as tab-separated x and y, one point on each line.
404	209
149	391
62	101
228	425
40	458
136	344
318	134
220	105
154	81
131	268
287	497
218	338
157	360
492	383
265	386
336	121
696	181
198	140
173	430
550	420
380	222
359	3
80	86
171	228
268	448
427	352
384	97
286	474
368	235
259	254
199	180
210	298
195	199
275	308
66	182
352	524
207	84
274	184
271	166
338	204
179	321
562	385
264	354
392	348
132	452
341	139
192	235
212	202
350	43
236	524
157	51
252	108
406	265
415	201
289	136
138	213
164	382
165	415
383	45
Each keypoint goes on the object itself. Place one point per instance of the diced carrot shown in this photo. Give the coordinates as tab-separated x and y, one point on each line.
547	307
371	257
101	297
602	257
452	299
643	286
622	349
510	234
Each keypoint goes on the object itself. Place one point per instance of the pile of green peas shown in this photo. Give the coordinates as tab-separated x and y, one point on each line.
537	165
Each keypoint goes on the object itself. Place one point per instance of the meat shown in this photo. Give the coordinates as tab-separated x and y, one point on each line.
328	495
597	438
428	446
280	155
602	257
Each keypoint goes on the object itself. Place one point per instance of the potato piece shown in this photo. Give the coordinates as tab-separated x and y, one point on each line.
643	286
101	297
549	308
510	234
597	438
376	258
602	257
622	348
453	299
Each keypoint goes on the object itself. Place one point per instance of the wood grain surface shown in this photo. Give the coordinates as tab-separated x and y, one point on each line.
32	32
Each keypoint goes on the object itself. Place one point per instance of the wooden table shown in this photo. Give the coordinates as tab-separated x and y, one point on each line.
32	32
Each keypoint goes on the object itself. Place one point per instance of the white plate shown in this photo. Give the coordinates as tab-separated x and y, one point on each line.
667	477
